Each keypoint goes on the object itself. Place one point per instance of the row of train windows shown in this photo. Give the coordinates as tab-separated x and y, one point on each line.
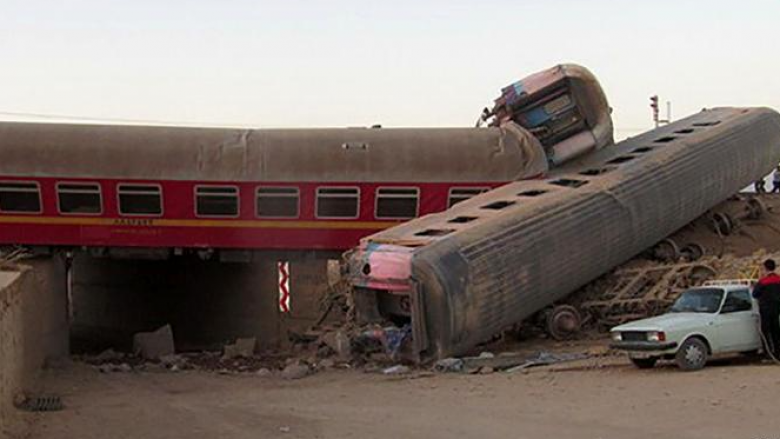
222	201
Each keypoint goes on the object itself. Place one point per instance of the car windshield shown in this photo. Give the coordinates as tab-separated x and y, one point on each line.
705	300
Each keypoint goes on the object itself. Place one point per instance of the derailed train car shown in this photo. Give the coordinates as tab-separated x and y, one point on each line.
177	188
564	107
460	276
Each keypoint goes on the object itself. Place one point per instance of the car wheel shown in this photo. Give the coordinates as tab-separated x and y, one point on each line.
692	355
644	363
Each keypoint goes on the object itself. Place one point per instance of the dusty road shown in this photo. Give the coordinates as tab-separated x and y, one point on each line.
613	400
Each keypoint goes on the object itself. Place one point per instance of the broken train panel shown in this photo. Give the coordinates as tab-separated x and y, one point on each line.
461	276
563	106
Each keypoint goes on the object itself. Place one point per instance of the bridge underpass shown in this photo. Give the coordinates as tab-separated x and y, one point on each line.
207	302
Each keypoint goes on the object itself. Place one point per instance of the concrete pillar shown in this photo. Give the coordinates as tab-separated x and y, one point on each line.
33	328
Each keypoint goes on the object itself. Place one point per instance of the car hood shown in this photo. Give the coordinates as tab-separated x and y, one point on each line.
667	322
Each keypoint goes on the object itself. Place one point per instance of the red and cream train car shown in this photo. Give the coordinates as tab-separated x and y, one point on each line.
130	186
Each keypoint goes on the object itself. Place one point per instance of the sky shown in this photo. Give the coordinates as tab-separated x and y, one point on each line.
398	63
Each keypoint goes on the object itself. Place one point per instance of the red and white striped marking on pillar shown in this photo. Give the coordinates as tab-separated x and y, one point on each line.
284	285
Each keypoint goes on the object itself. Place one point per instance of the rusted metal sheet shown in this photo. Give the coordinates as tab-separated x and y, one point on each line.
494	260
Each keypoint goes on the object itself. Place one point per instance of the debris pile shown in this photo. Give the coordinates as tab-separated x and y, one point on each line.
633	293
153	345
38	403
487	363
728	242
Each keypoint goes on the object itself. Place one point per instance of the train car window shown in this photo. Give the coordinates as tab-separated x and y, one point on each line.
458	194
397	203
140	199
338	202
17	197
218	201
277	202
79	198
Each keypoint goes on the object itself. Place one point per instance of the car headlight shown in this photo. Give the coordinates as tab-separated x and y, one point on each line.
656	336
616	336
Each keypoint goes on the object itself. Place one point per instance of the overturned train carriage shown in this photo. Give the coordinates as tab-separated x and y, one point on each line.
461	276
564	107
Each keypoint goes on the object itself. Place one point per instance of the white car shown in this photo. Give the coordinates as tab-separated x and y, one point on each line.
718	318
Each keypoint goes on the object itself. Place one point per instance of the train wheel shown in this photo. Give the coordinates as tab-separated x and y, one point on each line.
755	208
667	251
722	224
692	251
563	322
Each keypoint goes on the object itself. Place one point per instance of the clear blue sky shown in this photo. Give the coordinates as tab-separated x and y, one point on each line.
349	63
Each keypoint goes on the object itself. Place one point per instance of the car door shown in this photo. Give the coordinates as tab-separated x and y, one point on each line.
736	325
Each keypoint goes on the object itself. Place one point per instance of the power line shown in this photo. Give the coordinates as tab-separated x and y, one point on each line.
80	118
62	117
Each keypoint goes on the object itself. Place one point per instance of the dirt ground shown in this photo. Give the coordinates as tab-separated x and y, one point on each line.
597	398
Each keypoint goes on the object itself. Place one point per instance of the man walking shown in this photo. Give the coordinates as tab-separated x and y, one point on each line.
767	291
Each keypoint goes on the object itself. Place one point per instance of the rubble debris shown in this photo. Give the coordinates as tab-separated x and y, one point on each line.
174	361
448	365
338	342
264	372
388	339
508	362
548	358
108	355
497	362
153	345
243	347
629	294
396	370
474	364
295	371
327	363
337	295
39	403
395	337
114	367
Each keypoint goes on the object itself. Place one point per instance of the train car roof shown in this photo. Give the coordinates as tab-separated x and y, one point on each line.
282	155
530	198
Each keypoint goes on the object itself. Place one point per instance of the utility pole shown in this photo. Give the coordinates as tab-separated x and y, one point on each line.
656	116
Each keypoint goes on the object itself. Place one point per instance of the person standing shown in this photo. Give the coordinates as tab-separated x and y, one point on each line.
760	186
767	292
